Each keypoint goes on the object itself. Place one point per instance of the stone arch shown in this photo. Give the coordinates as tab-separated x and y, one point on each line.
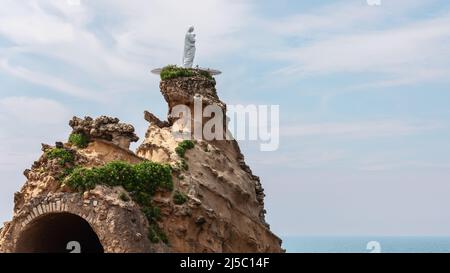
54	232
120	226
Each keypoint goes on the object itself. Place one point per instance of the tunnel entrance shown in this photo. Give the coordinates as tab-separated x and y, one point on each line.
53	233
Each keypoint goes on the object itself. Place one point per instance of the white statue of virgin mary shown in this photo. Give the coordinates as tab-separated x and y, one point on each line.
189	48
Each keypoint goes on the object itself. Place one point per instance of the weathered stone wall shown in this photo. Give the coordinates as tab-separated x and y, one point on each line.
119	225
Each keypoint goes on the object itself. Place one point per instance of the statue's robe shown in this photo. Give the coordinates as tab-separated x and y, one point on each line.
189	50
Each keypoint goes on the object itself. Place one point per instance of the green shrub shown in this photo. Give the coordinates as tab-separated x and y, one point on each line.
153	175
140	180
124	197
64	156
180	151
152	213
155	234
172	71
82	179
162	236
66	172
182	165
183	146
179	198
79	140
118	173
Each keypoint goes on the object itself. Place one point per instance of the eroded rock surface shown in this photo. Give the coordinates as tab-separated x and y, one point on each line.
224	208
106	128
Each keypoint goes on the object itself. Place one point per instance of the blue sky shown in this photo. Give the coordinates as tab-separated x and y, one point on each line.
363	94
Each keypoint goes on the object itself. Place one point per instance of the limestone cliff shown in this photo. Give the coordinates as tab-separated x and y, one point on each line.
216	203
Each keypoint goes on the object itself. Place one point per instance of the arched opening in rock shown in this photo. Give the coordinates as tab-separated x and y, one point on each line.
59	233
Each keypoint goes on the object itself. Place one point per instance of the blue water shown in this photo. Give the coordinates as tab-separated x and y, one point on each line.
316	244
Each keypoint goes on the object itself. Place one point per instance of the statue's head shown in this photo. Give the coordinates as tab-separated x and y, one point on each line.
191	29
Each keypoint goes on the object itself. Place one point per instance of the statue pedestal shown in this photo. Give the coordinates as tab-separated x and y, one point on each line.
212	72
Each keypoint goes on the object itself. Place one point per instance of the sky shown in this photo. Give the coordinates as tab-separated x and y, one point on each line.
363	93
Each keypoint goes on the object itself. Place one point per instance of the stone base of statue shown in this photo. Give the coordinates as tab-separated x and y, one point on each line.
212	72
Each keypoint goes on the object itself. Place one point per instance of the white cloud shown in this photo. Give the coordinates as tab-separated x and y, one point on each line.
133	37
341	17
114	43
365	129
25	123
47	80
306	159
330	19
414	45
147	29
26	23
31	111
355	39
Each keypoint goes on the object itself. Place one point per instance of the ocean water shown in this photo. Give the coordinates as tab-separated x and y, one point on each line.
366	244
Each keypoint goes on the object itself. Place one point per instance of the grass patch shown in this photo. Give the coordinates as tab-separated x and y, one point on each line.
152	213
64	156
179	198
140	180
79	140
183	146
66	172
173	71
182	165
155	234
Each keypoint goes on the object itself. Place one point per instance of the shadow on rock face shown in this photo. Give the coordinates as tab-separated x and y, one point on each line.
53	232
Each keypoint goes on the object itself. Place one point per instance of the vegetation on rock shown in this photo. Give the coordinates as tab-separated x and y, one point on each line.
64	156
205	74
79	140
124	197
173	71
156	234
140	180
179	198
182	165
181	151
183	146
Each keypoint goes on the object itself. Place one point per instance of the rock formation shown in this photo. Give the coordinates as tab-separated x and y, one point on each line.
216	204
106	128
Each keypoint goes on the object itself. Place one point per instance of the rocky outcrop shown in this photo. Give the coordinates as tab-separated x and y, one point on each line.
222	202
184	91
106	128
44	195
155	120
225	211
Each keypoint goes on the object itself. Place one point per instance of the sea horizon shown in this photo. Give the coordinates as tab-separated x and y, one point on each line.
366	244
